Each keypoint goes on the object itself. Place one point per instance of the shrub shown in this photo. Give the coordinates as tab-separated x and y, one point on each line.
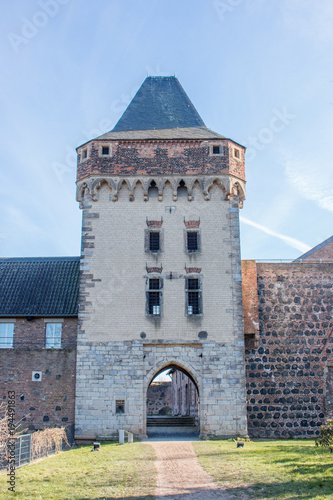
47	441
326	435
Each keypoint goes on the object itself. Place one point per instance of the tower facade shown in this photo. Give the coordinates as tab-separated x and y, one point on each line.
160	266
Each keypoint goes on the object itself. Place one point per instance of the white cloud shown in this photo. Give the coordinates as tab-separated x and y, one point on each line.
313	180
292	242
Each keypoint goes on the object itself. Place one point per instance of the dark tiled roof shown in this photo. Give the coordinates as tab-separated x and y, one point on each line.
160	103
314	249
39	286
163	134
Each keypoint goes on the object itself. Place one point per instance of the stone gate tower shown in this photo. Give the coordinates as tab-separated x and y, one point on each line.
160	266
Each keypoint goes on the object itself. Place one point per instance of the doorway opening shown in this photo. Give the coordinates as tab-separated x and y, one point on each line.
173	403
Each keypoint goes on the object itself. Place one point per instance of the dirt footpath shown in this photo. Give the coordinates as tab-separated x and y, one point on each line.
180	476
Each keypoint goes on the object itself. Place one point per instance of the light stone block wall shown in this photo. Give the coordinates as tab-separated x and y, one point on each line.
118	268
113	362
123	370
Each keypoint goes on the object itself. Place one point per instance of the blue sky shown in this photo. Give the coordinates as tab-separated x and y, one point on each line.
258	71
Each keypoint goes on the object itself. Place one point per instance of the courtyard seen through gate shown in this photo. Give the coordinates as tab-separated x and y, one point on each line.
173	404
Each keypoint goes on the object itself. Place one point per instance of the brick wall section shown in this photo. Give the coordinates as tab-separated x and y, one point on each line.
323	253
250	298
286	375
160	158
50	402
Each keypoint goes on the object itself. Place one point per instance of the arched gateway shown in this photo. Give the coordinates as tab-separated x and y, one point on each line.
173	406
160	267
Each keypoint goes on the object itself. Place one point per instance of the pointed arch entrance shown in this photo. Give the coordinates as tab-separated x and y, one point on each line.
172	402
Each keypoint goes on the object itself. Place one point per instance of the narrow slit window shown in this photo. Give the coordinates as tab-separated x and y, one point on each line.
236	153
84	154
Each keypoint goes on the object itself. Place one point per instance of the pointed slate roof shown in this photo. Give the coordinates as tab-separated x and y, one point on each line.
161	110
43	286
160	103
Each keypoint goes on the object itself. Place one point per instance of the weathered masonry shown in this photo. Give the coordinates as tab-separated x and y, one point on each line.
290	366
161	271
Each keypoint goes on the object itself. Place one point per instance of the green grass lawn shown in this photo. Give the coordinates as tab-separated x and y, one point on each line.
269	469
113	472
261	470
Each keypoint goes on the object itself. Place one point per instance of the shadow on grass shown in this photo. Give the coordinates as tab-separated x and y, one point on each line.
291	490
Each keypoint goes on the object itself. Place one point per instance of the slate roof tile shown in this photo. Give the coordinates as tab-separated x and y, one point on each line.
160	103
44	286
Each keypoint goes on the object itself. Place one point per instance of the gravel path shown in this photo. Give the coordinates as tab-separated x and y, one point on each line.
180	476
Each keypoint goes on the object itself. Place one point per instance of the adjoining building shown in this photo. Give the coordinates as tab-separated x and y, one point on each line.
161	286
38	332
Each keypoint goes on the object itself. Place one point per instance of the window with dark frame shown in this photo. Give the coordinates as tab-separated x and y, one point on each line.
154	296
120	406
216	150
105	150
192	241
154	241
193	299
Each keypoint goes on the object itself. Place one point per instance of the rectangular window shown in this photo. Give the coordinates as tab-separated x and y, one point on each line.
84	154
120	406
192	241
216	150
193	296
6	335
53	335
154	241
154	286
105	150
236	153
